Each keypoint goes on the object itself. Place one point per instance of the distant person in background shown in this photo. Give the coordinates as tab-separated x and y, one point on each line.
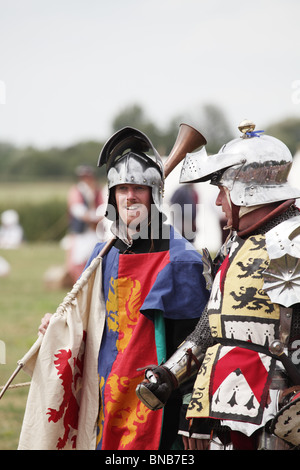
4	267
84	199
11	237
186	197
11	232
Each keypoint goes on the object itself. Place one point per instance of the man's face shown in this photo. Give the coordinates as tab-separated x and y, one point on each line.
224	201
133	203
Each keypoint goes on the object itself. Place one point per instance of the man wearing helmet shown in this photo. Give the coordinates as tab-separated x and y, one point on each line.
244	339
154	291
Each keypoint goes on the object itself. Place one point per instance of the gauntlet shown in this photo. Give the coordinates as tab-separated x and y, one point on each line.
160	381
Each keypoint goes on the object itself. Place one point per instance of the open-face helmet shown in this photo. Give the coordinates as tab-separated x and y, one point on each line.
131	158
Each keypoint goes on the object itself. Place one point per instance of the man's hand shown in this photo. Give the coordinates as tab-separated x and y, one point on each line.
44	323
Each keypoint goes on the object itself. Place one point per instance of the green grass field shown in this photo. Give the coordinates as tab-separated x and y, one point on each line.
24	300
41	191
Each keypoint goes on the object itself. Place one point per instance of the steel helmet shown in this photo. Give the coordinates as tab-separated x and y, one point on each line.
128	163
254	168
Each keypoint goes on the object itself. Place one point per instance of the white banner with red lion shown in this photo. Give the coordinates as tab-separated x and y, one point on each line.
63	400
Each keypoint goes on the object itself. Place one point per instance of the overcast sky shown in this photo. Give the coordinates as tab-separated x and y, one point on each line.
67	67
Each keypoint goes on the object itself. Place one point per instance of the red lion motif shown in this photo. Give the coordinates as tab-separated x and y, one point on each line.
69	407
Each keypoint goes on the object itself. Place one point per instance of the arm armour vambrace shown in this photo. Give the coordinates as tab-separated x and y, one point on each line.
186	361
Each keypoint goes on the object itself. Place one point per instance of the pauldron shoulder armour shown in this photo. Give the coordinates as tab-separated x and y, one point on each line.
282	277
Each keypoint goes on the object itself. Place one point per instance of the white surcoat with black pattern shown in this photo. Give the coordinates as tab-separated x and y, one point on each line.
259	275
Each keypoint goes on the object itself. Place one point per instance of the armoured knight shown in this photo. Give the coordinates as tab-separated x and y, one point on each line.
244	350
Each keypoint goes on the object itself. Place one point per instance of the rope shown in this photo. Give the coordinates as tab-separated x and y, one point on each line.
23	384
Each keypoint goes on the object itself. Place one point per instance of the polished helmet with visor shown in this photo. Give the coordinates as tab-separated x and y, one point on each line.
254	168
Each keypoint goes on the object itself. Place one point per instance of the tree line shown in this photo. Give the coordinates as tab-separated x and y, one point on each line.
30	163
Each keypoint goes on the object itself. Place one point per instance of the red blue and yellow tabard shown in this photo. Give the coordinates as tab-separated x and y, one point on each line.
233	382
166	284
